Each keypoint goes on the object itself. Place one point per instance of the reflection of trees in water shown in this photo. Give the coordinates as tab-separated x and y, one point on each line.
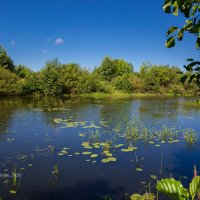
116	113
159	110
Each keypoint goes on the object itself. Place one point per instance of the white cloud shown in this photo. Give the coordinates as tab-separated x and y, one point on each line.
12	42
59	41
44	51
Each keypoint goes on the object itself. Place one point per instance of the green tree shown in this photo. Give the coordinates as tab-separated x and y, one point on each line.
23	71
10	84
123	83
74	78
5	61
51	78
111	68
191	10
33	84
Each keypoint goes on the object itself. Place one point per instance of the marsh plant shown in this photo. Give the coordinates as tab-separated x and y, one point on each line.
190	136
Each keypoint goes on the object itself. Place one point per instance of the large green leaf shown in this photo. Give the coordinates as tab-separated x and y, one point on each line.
180	34
173	189
167	6
195	186
171	30
198	43
175	9
170	42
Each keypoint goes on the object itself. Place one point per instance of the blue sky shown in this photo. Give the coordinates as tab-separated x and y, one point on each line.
85	31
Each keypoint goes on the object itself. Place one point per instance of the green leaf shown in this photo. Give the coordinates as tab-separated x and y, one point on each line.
194	10
198	43
183	78
167	6
195	186
171	30
190	59
136	197
188	25
153	177
173	189
180	34
170	42
175	9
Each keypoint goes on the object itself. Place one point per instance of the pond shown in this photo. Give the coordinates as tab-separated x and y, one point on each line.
93	149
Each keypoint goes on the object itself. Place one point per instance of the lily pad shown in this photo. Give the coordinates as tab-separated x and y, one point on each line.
86	153
13	191
94	155
139	169
153	177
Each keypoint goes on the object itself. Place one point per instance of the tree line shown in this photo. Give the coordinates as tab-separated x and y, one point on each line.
56	79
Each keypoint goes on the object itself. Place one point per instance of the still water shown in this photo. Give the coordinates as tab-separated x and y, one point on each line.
42	143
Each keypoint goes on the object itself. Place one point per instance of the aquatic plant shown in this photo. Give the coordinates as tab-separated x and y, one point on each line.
175	190
190	136
55	170
146	196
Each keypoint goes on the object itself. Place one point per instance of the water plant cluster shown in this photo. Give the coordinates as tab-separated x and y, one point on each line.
100	143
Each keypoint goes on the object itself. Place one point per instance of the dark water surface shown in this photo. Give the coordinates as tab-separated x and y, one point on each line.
30	141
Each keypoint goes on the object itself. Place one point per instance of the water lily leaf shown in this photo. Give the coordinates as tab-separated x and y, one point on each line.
139	169
105	160
86	153
112	159
88	147
153	177
60	154
119	145
125	150
77	153
136	197
82	135
13	191
64	152
151	142
108	154
94	155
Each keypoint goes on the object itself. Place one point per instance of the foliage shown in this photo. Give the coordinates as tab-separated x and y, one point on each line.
73	78
147	196
33	84
123	83
22	71
9	82
111	68
175	190
5	60
190	9
113	76
51	78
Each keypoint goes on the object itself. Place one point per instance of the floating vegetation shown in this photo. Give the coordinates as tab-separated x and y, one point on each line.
139	169
13	191
190	136
55	170
129	149
109	159
86	153
94	155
